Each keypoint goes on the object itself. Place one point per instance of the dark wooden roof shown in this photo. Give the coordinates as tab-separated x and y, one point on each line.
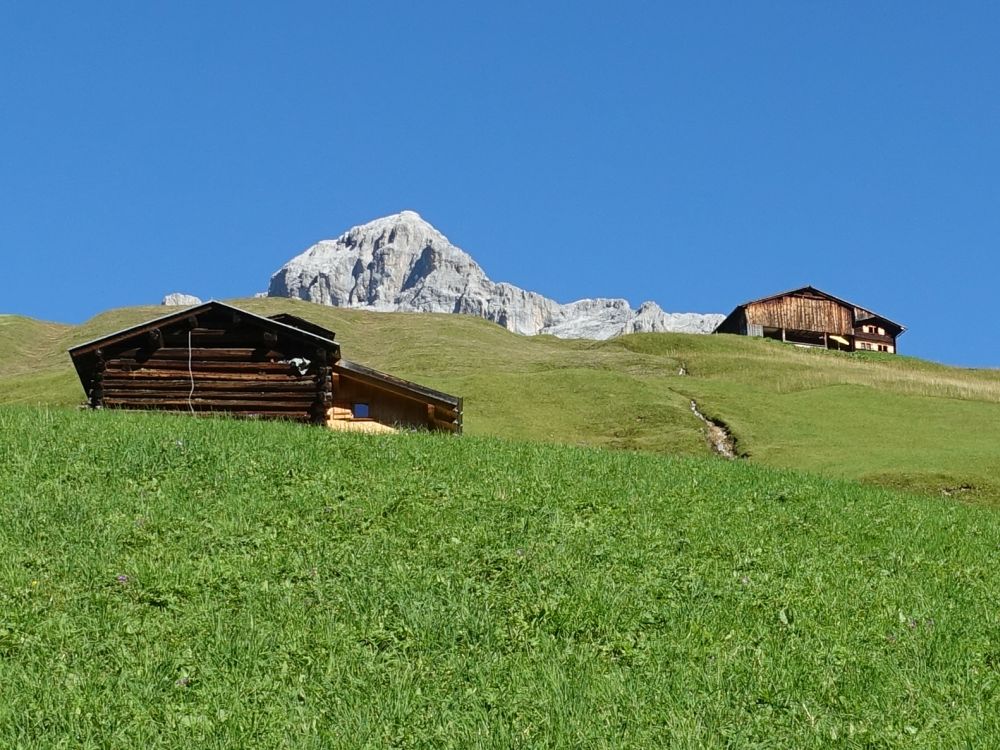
861	314
303	325
267	324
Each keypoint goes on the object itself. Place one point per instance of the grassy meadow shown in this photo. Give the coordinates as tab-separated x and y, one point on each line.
171	582
888	420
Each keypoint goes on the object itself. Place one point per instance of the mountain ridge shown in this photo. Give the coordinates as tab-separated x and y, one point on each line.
402	263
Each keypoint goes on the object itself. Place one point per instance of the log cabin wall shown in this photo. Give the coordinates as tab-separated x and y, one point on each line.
215	362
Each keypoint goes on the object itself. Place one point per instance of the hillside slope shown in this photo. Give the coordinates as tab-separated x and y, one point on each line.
880	418
171	582
27	345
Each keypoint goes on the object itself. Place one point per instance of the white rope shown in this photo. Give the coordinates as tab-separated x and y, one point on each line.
190	375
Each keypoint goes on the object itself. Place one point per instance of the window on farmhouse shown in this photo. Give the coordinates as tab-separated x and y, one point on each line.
360	411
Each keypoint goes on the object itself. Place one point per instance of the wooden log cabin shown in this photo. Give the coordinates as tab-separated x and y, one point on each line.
810	317
217	358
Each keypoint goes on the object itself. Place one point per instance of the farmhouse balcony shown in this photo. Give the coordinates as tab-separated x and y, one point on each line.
875	338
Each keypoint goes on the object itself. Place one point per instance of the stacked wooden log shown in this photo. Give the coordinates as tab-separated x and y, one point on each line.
164	381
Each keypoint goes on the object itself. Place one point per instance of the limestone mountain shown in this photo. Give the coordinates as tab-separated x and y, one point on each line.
401	263
175	299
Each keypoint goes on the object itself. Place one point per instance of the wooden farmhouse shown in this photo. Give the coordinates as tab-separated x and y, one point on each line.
810	317
217	358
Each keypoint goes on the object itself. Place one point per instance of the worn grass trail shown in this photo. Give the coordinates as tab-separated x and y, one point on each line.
168	581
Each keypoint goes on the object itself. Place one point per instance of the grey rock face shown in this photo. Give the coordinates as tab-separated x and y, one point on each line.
181	299
402	263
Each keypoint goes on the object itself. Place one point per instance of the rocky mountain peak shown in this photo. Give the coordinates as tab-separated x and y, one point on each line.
407	229
180	298
403	263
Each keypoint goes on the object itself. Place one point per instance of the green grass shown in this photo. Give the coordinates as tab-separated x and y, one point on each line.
170	582
881	419
29	345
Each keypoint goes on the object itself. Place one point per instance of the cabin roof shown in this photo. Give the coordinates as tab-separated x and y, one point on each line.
270	324
868	314
302	324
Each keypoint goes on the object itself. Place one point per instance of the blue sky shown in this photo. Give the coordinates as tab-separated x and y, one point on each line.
697	154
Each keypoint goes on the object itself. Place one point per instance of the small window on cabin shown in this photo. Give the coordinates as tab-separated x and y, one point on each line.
359	410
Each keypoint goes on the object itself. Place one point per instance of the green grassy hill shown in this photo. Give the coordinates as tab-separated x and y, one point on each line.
177	582
882	419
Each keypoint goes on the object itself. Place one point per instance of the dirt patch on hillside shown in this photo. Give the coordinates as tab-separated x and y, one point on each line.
720	437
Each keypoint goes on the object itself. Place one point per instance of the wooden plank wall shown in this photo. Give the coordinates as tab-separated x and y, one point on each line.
240	371
393	409
801	313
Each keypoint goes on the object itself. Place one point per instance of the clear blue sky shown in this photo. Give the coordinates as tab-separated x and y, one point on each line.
698	154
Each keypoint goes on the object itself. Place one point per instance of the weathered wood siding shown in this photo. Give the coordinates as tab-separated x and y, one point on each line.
238	369
383	407
393	408
801	313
